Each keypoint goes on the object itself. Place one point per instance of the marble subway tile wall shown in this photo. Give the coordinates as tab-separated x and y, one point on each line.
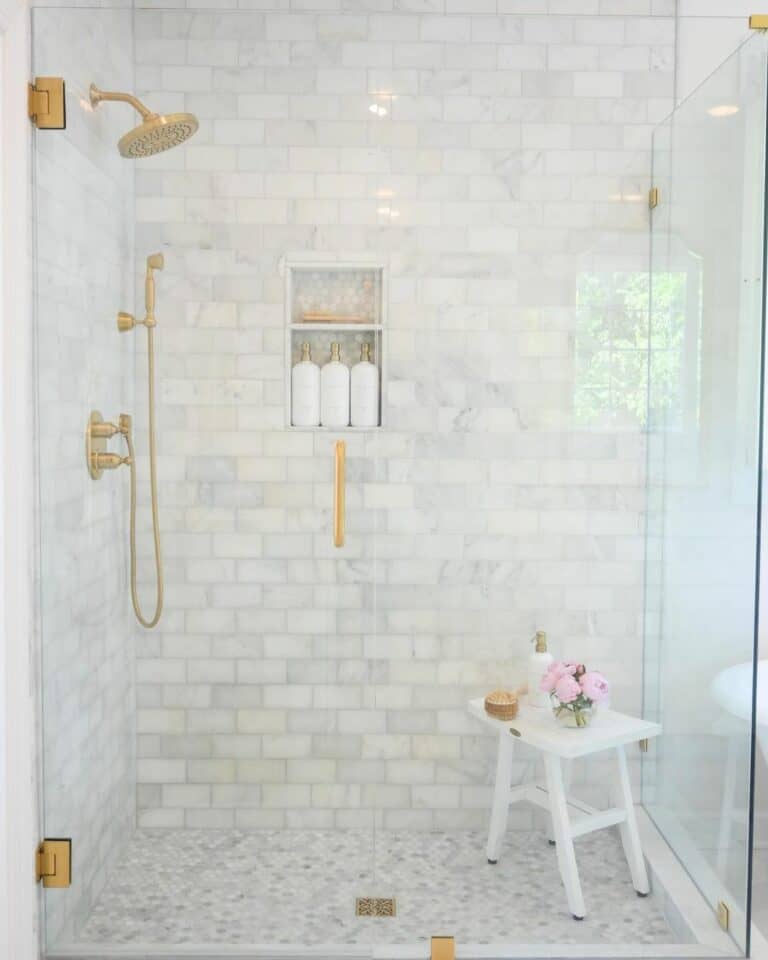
83	196
501	180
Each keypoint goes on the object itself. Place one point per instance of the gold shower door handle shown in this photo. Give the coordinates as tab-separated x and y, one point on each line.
338	493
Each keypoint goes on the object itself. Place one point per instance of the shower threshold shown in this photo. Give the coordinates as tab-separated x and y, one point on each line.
684	951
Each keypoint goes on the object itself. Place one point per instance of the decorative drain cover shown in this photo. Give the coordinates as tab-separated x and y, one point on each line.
375	907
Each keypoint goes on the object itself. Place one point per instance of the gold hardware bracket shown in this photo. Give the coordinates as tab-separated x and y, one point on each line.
654	196
125	321
758	21
443	948
723	914
338	493
643	744
53	863
46	103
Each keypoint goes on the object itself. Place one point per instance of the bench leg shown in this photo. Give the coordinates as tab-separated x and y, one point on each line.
630	835
561	827
500	808
566	766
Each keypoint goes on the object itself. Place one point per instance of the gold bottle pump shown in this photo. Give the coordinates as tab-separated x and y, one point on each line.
541	641
306	353
365	352
336	352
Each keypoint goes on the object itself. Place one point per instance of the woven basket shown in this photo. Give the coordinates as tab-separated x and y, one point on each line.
501	704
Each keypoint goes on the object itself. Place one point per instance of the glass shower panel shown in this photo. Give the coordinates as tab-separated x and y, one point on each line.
706	341
83	210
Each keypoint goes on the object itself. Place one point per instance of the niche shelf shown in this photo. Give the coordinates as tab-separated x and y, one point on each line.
342	301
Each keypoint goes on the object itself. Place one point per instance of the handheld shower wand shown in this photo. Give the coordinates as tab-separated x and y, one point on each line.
125	322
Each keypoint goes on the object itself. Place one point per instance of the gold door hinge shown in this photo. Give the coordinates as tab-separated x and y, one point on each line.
443	948
653	197
53	863
46	105
758	21
723	914
643	744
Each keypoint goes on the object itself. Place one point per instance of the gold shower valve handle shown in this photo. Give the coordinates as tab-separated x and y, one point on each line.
105	429
109	461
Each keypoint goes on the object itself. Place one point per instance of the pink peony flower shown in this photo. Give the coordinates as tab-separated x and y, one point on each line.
548	681
557	668
594	686
571	668
567	689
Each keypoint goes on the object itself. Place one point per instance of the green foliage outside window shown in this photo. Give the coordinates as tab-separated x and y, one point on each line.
612	349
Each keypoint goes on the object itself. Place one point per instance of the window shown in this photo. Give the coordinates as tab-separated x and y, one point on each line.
612	347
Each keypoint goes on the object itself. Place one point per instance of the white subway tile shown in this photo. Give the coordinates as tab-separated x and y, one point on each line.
281	686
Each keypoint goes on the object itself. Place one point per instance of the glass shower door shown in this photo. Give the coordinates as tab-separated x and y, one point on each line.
83	199
704	460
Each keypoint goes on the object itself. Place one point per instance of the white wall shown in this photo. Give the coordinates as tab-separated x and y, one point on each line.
708	31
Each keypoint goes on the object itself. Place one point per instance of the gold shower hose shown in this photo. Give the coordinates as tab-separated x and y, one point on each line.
153	489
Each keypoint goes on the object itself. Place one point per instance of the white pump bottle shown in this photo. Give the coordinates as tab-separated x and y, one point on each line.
538	663
305	391
364	391
334	391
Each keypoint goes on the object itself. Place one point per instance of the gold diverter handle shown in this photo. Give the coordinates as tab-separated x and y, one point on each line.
338	493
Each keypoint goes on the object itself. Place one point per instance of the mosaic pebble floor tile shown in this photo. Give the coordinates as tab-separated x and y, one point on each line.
299	887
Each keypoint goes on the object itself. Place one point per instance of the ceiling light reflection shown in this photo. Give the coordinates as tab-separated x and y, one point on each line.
723	110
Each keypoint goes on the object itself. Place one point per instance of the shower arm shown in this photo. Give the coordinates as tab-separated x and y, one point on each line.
98	95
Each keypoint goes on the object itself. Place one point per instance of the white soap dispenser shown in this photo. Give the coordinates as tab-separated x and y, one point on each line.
538	664
334	391
364	391
305	391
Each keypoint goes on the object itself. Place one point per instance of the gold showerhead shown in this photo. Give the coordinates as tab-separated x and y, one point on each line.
156	132
160	133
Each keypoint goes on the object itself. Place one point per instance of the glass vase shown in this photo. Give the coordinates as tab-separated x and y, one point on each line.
575	718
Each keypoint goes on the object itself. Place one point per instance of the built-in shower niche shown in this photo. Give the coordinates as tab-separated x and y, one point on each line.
335	302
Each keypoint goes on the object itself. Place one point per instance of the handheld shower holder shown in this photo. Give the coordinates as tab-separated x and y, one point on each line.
127	321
